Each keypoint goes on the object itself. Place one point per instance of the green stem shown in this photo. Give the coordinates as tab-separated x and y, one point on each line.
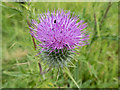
69	74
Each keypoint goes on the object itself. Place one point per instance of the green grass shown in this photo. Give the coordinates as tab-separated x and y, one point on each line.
97	65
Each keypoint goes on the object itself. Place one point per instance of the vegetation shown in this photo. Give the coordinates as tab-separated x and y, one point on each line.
93	66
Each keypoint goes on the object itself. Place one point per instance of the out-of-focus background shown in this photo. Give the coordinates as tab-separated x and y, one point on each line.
97	65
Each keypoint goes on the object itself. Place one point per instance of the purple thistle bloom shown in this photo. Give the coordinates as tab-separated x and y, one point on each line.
58	31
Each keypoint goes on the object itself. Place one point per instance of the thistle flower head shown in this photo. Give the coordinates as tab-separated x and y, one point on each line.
59	32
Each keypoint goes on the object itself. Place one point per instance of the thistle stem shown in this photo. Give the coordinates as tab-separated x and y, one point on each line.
31	35
69	74
40	67
41	72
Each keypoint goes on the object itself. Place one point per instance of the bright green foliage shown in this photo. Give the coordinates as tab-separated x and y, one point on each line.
96	65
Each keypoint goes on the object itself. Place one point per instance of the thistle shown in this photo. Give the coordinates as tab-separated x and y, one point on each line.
59	33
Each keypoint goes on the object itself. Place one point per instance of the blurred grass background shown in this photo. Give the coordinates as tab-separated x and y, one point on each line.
97	65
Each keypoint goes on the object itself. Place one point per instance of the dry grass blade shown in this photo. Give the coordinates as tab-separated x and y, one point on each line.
106	12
